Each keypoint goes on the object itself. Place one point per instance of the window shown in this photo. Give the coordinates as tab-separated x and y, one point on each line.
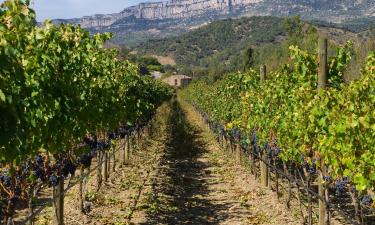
175	82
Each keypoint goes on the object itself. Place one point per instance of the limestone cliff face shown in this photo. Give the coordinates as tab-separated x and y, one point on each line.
330	10
189	8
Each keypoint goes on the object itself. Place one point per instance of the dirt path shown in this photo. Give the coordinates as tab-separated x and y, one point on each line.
198	184
179	175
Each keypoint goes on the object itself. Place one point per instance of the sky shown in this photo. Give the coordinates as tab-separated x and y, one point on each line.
65	9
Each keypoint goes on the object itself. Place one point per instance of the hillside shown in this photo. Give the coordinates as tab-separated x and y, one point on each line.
170	18
220	42
236	44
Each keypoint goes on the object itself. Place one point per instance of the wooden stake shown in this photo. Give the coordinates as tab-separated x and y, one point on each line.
81	197
323	64
263	74
114	159
264	171
105	169
263	167
322	84
99	179
58	194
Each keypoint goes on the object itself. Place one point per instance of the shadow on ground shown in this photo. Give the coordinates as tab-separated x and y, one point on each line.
184	179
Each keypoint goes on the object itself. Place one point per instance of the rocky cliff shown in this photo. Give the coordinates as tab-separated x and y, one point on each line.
147	20
329	10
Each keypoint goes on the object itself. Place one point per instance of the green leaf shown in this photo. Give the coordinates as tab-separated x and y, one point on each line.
2	96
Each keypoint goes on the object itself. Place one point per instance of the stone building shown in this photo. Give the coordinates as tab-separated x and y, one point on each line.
178	80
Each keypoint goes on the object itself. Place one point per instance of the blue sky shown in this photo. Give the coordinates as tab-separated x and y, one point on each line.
63	9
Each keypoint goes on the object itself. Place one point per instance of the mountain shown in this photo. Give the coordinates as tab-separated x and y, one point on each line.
170	18
236	44
220	42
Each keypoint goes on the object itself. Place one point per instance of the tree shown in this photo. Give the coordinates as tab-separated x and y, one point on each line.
248	58
293	26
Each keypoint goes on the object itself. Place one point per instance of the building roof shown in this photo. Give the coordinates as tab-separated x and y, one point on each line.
178	76
156	74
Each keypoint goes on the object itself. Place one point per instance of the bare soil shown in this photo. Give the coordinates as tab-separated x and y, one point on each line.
177	175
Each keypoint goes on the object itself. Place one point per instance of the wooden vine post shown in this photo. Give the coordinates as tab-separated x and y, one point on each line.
322	84
263	166
81	194
238	149
105	168
125	156
114	158
58	199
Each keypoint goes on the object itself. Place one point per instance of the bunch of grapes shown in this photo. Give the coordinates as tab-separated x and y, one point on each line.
367	200
86	159
68	167
53	180
38	168
341	185
254	138
112	135
244	143
312	167
236	134
6	180
327	179
221	130
267	149
277	151
122	132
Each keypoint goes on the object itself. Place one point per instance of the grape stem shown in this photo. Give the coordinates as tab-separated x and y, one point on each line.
5	190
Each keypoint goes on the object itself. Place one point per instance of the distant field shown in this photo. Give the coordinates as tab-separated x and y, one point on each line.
165	60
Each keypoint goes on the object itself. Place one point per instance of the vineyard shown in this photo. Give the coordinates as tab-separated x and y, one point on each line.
297	124
64	100
86	139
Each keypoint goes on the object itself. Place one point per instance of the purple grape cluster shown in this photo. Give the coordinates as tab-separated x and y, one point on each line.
86	159
68	167
236	134
327	179
341	185
311	168
267	149
53	180
6	180
244	143
254	143
38	168
367	200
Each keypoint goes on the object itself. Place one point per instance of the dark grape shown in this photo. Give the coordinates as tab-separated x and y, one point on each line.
39	159
68	167
7	180
312	169
327	178
277	151
85	160
340	186
112	135
367	200
53	180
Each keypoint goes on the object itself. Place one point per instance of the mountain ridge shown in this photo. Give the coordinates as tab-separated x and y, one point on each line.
330	10
167	18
